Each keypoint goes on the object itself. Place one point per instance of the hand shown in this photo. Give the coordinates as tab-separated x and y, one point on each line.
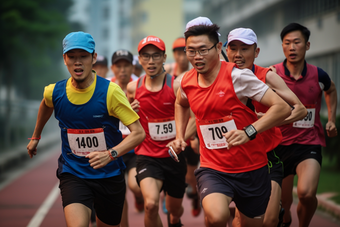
32	148
98	159
236	137
135	105
178	145
331	129
273	68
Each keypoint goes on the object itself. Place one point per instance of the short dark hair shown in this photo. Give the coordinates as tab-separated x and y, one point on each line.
295	27
210	30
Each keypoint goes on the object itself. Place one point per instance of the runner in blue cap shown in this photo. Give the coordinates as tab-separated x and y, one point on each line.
88	108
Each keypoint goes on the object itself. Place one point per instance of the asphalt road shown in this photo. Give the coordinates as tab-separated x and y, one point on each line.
29	196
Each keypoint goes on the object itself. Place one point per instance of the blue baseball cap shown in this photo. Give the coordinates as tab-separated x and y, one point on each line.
78	40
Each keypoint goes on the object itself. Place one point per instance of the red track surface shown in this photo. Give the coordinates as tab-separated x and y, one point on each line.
20	200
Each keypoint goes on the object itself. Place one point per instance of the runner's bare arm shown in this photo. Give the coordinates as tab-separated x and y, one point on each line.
182	114
44	115
276	83
177	82
131	91
136	136
100	159
191	127
331	101
278	111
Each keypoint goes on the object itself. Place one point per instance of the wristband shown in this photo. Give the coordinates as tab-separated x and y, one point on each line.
35	138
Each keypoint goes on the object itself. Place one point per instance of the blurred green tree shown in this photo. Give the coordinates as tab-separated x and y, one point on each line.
32	31
31	49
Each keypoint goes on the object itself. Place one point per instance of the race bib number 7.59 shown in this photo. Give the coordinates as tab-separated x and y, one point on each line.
162	129
84	141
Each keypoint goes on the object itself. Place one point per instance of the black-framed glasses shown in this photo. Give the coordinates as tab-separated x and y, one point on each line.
202	52
155	56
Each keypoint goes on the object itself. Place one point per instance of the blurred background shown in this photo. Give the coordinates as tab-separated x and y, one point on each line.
32	32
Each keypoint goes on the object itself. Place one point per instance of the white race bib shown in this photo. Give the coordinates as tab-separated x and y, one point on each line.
84	141
162	129
309	120
123	129
212	131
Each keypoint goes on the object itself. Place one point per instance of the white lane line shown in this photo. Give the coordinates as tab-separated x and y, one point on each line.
44	208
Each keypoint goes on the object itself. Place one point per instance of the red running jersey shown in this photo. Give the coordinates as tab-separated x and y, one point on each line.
217	110
308	130
156	112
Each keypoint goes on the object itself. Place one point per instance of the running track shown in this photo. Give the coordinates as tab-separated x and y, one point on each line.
29	197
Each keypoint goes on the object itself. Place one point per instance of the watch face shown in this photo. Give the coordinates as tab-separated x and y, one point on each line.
113	153
250	130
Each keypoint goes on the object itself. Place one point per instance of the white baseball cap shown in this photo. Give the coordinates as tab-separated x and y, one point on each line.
245	35
199	21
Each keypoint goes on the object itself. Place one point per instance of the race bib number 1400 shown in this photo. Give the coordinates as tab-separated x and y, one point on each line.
84	141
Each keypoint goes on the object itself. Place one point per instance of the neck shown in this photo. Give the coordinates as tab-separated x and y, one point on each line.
158	74
295	68
206	79
121	85
251	67
84	83
156	83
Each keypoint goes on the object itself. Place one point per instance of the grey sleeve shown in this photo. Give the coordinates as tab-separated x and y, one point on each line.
247	85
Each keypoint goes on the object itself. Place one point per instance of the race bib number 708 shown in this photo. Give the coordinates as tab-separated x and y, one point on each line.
212	131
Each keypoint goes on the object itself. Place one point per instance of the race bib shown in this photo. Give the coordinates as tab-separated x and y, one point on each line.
212	131
162	129
123	129
308	121
84	141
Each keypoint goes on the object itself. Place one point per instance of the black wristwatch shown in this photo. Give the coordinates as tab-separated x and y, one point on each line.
250	131
113	153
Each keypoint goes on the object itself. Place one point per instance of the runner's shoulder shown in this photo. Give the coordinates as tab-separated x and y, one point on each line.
324	79
113	85
131	87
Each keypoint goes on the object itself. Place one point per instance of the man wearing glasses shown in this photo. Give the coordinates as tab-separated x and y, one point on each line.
233	161
154	96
